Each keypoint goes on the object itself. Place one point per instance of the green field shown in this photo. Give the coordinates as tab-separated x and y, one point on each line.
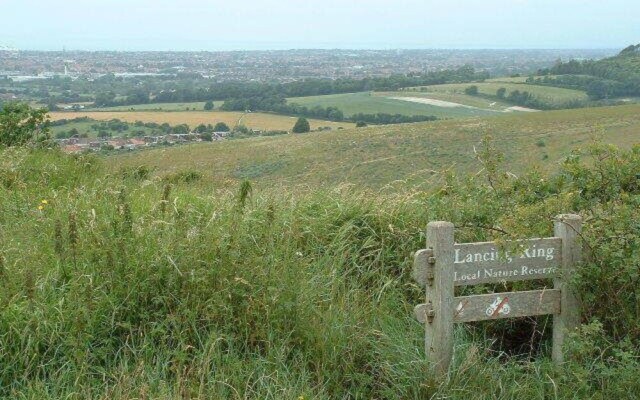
82	127
372	103
408	154
489	106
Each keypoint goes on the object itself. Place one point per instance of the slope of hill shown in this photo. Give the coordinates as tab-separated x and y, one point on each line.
610	77
411	153
123	286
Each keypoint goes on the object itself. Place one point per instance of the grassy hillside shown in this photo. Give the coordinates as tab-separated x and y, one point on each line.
608	78
127	286
193	118
405	154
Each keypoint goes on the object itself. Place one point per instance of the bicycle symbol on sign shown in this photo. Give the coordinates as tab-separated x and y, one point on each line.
499	306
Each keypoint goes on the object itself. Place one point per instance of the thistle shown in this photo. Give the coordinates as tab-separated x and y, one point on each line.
30	284
3	271
58	239
73	235
165	198
245	192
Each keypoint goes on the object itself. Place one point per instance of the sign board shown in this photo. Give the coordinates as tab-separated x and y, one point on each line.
443	265
486	262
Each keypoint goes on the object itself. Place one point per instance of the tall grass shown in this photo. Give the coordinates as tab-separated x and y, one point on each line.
125	286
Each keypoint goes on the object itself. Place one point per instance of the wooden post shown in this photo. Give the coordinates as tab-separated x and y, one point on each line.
440	297
567	227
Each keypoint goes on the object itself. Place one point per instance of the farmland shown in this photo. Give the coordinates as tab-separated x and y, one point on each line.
409	154
262	121
383	102
192	106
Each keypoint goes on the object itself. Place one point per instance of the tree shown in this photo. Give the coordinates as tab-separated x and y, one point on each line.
208	106
103	134
221	127
104	99
241	129
207	137
471	90
501	93
301	126
181	129
21	124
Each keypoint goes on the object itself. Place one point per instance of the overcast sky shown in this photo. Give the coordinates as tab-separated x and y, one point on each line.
284	24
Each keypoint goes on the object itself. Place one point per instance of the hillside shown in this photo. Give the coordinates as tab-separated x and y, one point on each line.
411	153
126	286
610	77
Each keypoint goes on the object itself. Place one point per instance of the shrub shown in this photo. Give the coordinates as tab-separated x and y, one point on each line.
20	124
301	126
471	90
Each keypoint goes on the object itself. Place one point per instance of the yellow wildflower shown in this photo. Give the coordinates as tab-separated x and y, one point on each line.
40	207
44	201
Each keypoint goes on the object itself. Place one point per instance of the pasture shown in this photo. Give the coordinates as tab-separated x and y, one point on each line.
263	121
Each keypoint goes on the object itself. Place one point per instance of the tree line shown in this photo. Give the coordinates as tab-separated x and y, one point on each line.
189	91
280	105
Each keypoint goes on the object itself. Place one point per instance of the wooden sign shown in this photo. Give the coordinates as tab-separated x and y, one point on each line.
486	262
444	265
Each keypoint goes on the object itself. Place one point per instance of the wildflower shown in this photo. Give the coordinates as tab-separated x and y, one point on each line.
41	207
44	201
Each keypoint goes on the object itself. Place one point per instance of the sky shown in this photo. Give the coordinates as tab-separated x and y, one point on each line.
286	24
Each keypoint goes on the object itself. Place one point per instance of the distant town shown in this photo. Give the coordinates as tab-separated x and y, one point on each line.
279	66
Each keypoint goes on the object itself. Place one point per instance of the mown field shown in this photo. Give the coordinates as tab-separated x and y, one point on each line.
383	102
548	94
400	155
483	106
262	121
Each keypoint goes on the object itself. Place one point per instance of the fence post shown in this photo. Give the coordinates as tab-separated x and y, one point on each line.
439	298
567	227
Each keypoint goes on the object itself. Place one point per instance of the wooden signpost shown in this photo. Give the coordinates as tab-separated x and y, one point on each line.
444	264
